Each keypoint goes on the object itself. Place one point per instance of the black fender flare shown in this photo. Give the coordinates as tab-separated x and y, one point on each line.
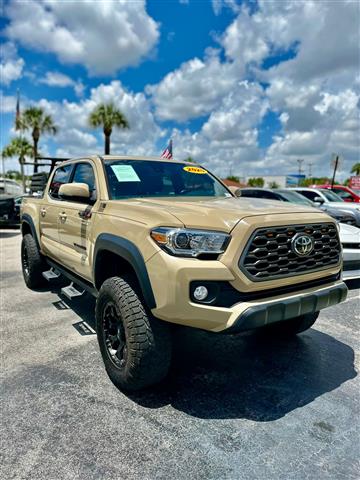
127	251
29	221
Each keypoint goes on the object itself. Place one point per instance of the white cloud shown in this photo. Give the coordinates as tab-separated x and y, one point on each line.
76	138
11	66
193	90
228	139
315	93
7	103
58	79
244	40
218	5
102	36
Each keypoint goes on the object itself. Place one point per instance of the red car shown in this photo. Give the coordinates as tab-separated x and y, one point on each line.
345	193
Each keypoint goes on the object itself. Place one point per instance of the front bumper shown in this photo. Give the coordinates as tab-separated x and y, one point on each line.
351	264
266	313
171	277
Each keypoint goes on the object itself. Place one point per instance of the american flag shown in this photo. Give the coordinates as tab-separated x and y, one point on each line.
167	153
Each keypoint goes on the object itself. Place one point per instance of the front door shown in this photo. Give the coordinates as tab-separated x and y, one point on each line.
75	221
50	211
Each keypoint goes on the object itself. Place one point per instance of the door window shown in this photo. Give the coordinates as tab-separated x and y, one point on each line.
61	176
308	194
344	195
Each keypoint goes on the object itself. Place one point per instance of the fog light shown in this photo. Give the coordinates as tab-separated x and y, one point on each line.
200	293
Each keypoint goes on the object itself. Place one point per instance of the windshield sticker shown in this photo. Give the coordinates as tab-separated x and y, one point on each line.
125	173
197	170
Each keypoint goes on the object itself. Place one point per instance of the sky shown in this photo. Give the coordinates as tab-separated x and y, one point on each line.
243	87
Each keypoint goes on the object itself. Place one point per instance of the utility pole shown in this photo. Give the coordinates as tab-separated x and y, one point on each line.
300	162
336	164
310	169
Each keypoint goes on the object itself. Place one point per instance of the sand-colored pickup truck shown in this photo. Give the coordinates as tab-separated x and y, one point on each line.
162	242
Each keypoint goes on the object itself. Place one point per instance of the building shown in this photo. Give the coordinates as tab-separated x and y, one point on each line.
279	181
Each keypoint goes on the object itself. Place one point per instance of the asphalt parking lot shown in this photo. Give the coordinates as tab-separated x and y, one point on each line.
233	407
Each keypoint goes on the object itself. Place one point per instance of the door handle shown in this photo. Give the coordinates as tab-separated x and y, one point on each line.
63	216
43	212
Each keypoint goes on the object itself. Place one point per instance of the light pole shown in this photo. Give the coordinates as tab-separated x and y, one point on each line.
300	162
310	169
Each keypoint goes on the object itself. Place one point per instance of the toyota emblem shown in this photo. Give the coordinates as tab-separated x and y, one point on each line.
302	244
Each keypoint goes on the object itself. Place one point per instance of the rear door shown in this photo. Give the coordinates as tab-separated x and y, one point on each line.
50	211
76	221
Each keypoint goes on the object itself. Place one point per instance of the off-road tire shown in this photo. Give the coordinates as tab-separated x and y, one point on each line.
32	262
146	352
293	326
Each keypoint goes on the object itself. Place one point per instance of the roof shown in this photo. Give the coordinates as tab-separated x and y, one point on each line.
143	157
258	188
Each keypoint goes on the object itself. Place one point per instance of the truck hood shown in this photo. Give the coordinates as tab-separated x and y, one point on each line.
344	205
220	213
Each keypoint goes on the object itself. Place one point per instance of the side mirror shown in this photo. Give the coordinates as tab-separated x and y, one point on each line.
319	200
235	191
74	191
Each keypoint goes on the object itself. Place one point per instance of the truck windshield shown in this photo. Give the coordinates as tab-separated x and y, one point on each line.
331	196
295	197
147	178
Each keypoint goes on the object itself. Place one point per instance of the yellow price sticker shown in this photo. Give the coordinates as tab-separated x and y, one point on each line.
197	170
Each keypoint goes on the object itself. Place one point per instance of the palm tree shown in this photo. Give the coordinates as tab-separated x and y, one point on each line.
35	119
19	147
356	168
106	115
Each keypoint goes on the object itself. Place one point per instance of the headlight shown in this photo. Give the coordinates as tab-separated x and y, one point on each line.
184	242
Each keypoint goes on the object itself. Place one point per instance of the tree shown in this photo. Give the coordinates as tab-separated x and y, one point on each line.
19	147
36	120
190	160
273	185
306	182
233	178
106	115
256	182
356	168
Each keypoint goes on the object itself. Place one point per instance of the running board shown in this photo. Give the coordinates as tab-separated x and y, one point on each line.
71	292
51	274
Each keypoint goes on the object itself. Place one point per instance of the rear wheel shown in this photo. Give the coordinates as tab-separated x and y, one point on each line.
135	346
32	262
293	326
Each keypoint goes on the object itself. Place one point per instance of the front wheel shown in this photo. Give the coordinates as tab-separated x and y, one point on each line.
135	347
32	262
293	326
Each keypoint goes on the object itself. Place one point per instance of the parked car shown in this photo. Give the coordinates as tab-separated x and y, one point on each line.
10	210
161	242
10	187
329	198
345	193
350	240
287	195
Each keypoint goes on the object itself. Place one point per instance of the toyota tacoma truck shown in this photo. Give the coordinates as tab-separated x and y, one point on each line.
161	242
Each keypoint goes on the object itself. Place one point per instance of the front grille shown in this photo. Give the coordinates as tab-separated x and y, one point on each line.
269	253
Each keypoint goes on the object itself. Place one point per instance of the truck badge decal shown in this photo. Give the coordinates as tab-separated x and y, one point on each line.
302	244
